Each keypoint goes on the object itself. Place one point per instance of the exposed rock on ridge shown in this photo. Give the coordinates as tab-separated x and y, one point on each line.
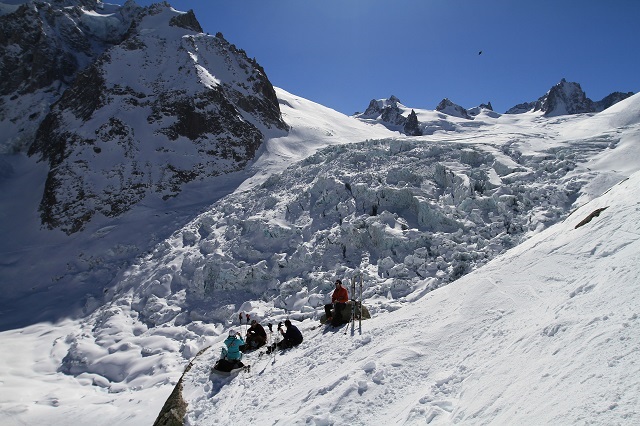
412	127
397	117
388	110
448	107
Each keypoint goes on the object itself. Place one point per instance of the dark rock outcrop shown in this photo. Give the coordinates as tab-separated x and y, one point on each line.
175	407
386	112
610	100
521	108
187	21
412	126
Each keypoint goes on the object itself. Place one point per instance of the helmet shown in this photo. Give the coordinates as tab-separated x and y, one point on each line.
232	333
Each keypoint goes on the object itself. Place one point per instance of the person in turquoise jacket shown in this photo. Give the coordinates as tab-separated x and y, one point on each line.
233	343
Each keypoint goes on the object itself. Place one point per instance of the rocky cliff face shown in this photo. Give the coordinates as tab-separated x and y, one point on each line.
128	102
42	48
611	100
564	98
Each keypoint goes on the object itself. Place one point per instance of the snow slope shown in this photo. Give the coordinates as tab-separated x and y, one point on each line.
541	334
545	334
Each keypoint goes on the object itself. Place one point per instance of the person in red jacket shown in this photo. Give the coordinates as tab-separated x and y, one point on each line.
339	300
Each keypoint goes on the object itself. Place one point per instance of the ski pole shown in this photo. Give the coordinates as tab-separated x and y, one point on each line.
271	341
353	304
360	318
274	345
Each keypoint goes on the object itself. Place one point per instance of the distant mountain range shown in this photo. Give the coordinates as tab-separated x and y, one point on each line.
568	98
562	99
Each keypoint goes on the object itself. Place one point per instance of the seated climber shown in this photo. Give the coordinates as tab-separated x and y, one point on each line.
256	336
231	355
334	310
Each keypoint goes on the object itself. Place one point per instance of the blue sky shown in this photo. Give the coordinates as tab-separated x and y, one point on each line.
343	53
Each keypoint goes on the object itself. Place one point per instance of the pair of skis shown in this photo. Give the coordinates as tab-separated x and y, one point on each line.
354	301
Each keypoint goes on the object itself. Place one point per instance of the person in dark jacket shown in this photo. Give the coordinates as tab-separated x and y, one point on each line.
292	337
339	300
256	336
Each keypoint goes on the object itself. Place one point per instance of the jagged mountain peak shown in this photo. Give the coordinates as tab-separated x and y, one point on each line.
158	15
377	106
488	108
446	106
566	98
387	111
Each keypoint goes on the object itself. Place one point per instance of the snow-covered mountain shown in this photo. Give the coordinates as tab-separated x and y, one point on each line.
568	98
448	107
386	111
148	104
490	304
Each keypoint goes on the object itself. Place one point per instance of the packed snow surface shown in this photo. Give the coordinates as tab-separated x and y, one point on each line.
489	304
542	335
